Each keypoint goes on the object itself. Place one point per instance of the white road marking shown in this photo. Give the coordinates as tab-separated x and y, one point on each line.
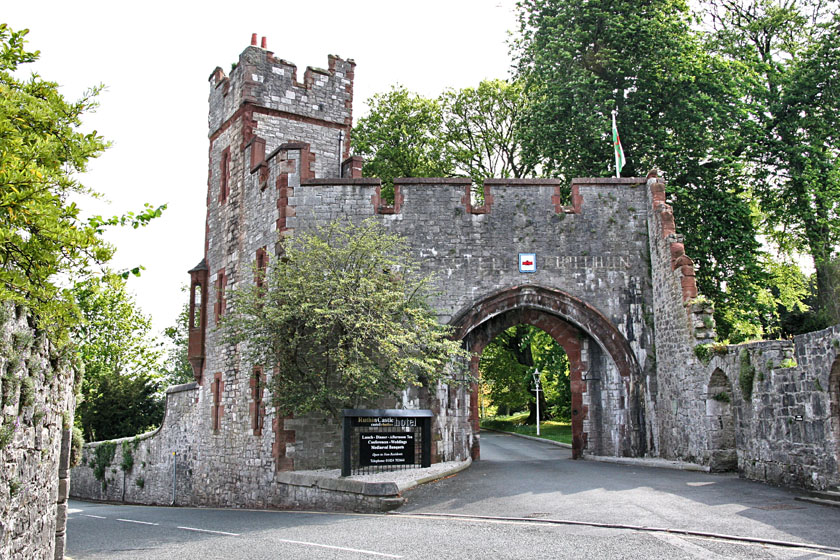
94	516
73	510
209	531
135	521
371	552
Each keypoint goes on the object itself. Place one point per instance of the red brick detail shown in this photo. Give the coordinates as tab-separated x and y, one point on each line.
466	200
216	410
221	302
198	320
557	313
257	145
380	208
257	406
261	267
282	437
249	125
557	200
679	260
284	191
224	174
351	167
307	158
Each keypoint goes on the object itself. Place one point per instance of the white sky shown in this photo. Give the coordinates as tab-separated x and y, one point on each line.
155	57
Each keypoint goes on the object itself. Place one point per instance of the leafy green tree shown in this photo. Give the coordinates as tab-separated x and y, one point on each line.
680	109
483	128
507	365
176	365
42	152
342	321
120	393
402	137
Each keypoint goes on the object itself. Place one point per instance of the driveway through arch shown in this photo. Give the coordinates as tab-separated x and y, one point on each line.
572	323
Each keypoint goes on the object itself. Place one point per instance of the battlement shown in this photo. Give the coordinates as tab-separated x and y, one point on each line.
262	80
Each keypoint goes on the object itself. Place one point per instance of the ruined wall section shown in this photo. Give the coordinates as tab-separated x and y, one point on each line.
786	401
37	402
681	322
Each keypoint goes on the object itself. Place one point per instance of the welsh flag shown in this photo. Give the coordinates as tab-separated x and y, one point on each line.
619	153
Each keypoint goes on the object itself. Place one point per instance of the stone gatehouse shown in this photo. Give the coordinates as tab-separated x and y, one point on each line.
613	285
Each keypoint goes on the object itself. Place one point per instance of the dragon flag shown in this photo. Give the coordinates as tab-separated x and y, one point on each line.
619	153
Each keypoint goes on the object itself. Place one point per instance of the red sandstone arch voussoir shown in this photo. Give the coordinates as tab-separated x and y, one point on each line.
554	302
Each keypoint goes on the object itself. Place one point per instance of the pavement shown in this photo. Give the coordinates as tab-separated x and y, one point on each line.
523	499
522	478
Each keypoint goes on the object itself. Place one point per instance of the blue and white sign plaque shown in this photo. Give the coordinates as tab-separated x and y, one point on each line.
527	262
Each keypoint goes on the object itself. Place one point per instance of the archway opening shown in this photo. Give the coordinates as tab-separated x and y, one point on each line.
721	423
602	365
507	396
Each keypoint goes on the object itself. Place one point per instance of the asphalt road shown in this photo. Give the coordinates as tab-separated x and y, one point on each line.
515	478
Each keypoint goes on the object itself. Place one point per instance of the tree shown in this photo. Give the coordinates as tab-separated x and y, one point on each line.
341	321
790	49
176	366
402	137
120	393
483	129
42	151
471	132
507	365
680	109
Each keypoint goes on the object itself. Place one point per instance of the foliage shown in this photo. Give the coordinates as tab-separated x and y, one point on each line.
77	442
102	457
705	352
556	431
120	389
507	365
42	151
176	365
127	456
401	137
746	375
723	396
791	61
140	482
482	130
342	321
680	109
471	132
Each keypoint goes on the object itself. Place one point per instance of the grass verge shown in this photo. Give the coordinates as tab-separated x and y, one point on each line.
549	429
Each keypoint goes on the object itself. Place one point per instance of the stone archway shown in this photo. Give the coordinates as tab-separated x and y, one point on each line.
595	348
720	423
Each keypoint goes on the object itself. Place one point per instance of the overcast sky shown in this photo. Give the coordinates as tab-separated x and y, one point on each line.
155	58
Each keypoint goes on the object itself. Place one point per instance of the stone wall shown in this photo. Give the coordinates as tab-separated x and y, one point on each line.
784	396
37	401
139	469
770	409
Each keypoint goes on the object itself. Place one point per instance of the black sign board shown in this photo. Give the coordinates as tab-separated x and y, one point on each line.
386	448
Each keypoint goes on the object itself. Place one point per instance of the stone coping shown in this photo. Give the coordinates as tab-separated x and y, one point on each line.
383	484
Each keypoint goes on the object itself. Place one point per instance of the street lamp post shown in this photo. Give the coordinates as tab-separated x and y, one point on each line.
536	375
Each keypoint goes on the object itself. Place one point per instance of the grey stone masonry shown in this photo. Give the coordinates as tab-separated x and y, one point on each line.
603	271
37	401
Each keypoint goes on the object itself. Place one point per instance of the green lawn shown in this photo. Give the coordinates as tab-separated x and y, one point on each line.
557	431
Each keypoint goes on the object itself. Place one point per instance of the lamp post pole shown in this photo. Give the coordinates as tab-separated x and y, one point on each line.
536	375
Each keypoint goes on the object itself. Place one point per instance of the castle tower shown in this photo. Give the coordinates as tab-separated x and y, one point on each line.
261	108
